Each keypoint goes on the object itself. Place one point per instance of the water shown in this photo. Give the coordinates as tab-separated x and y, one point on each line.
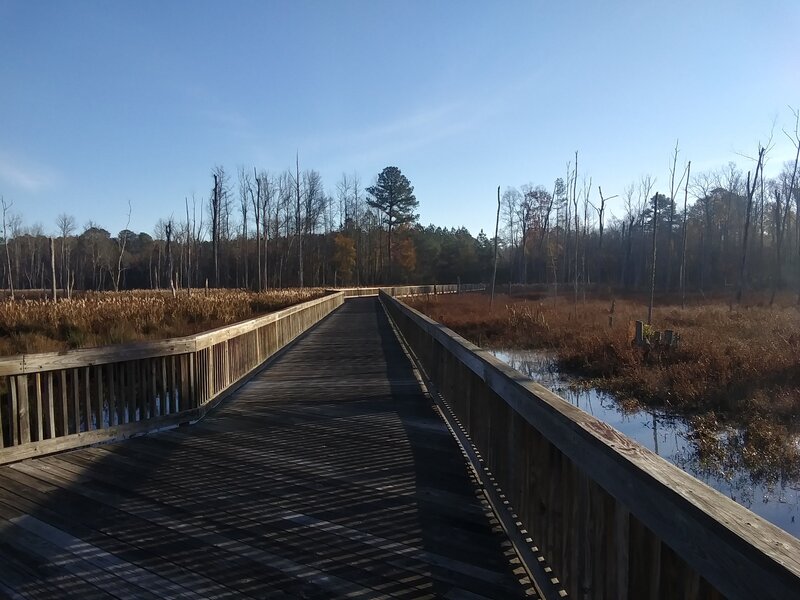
774	497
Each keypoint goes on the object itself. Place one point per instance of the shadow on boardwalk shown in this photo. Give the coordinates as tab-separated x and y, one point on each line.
328	475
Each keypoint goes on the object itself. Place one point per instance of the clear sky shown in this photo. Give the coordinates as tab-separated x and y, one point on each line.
105	102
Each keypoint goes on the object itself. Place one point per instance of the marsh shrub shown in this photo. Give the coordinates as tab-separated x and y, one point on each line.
732	360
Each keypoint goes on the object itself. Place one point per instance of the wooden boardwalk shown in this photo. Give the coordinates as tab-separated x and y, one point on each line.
328	475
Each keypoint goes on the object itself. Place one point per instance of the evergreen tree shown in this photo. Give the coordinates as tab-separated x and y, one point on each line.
393	195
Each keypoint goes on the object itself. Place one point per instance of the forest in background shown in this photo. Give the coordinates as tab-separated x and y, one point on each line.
729	229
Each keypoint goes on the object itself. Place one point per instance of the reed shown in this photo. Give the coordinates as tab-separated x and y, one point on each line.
92	319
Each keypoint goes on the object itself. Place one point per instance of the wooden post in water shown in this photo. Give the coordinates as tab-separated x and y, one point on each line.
639	339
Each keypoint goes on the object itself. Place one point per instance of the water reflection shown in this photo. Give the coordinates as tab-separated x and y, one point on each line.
770	493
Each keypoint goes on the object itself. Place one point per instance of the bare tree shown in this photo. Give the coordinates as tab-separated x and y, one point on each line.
601	210
190	237
673	187
168	229
577	223
627	231
245	191
645	187
53	267
6	208
266	190
255	199
751	189
496	231
794	137
685	234
298	220
216	205
121	243
702	185
66	227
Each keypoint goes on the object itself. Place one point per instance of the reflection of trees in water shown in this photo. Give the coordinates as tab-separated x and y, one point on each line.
727	461
743	464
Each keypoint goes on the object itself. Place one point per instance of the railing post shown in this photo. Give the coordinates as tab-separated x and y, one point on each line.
23	408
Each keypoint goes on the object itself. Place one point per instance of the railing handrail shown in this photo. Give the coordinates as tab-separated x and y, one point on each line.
59	400
398	291
22	364
723	541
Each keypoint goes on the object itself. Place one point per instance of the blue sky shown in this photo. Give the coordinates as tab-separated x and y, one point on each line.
102	103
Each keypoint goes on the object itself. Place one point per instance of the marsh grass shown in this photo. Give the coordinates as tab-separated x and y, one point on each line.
34	324
734	365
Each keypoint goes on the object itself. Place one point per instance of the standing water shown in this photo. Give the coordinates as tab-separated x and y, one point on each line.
774	497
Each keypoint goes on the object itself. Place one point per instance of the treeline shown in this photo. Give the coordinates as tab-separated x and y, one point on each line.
257	231
726	229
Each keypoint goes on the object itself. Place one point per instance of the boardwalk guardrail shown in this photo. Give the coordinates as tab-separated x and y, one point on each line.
613	519
59	400
411	290
55	401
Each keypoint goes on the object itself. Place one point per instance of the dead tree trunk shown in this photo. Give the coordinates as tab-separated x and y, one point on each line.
496	230
8	251
685	233
751	189
53	267
653	266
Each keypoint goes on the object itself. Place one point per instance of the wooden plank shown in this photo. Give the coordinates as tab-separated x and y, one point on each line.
14	416
23	409
11	365
142	389
51	406
87	399
5	401
87	438
76	399
100	402
62	386
187	399
176	580
113	417
126	394
84	357
133	384
153	387
173	393
211	373
225	364
164	388
37	387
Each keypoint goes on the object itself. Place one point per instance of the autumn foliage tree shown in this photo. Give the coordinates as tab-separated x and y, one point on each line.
344	257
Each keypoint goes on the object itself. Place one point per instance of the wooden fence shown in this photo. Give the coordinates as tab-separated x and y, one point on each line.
611	518
59	400
411	290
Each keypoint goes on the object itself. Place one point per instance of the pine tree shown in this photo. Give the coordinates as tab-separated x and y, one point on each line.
393	195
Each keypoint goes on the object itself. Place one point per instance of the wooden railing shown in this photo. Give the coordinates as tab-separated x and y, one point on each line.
411	290
612	519
59	400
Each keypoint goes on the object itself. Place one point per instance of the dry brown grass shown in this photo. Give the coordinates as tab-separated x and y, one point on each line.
739	363
99	318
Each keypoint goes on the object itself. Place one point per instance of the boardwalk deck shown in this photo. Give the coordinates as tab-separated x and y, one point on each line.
327	475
